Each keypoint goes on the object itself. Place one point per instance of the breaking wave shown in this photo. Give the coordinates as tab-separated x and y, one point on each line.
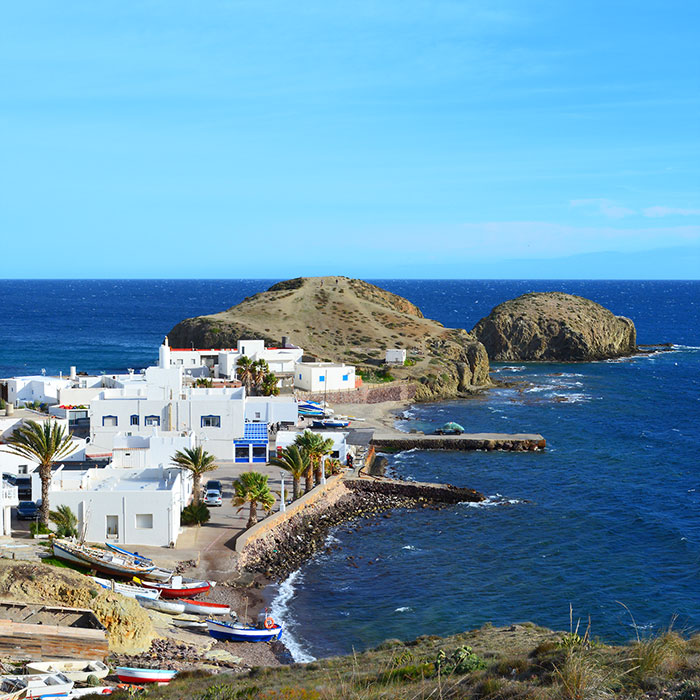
279	609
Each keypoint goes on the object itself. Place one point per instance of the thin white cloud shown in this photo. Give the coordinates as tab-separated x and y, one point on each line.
658	212
606	207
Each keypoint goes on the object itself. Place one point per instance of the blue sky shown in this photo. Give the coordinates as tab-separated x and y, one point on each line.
389	138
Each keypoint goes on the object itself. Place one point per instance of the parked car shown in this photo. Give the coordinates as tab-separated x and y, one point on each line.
212	498
27	510
214	485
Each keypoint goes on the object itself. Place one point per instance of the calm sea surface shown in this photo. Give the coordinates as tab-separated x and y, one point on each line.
610	512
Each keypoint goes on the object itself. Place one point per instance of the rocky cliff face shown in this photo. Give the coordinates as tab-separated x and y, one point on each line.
348	320
553	326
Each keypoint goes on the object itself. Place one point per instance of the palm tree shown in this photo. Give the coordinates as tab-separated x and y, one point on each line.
252	488
245	371
316	446
269	385
45	443
65	521
198	462
294	461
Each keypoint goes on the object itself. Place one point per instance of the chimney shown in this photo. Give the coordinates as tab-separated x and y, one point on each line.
73	373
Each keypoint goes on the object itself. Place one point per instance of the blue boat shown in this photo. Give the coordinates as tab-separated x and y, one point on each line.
330	423
236	632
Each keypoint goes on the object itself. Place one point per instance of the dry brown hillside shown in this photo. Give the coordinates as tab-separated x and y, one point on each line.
343	319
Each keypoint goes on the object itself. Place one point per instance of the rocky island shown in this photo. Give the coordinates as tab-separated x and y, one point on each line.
554	327
349	320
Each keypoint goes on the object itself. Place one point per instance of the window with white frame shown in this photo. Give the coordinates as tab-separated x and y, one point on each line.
211	421
144	521
152	420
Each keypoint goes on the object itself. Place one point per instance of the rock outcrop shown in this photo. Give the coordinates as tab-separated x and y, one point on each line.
554	327
352	321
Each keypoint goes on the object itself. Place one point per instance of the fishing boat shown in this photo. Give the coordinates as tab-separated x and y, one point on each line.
202	607
330	423
170	607
157	574
38	685
126	674
125	588
237	632
80	692
177	587
100	559
76	671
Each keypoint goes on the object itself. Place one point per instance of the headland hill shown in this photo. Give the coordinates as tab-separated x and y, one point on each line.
339	319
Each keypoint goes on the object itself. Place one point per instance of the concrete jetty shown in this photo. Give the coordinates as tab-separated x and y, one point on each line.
420	491
511	442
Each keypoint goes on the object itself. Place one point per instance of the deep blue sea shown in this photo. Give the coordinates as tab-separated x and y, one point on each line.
610	512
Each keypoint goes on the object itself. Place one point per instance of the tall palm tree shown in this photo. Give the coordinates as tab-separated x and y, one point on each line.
296	462
316	446
252	488
245	371
269	385
260	371
198	462
45	443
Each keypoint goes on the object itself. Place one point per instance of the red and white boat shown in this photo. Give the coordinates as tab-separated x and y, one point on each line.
177	587
202	607
127	674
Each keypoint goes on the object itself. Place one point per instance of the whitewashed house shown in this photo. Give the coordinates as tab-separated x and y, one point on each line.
8	499
140	451
323	376
285	438
395	356
124	506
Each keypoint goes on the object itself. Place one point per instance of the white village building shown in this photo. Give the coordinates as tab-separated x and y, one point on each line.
125	506
395	356
285	438
323	376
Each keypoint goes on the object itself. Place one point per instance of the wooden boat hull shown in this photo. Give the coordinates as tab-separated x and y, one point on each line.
75	556
125	589
77	671
202	607
144	675
230	633
170	607
186	589
197	625
157	574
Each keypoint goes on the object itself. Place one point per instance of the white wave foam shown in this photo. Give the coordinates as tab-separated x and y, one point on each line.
331	539
514	368
536	389
404	608
494	500
279	609
410	547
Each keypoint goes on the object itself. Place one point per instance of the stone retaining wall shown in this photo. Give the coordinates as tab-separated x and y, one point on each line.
396	391
419	491
510	443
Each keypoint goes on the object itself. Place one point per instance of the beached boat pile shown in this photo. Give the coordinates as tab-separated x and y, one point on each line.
37	685
126	589
76	671
177	587
101	560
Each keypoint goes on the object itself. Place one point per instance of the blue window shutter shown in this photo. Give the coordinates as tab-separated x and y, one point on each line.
345	377
300	376
321	379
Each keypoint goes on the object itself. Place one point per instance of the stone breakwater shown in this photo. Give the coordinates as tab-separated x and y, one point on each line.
518	442
285	548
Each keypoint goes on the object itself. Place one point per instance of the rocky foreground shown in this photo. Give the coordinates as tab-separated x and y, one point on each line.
554	327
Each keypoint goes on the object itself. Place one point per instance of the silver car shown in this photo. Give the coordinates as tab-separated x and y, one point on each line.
212	498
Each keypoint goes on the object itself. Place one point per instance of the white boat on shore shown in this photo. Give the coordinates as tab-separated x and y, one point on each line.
37	685
126	588
76	671
170	607
99	559
127	674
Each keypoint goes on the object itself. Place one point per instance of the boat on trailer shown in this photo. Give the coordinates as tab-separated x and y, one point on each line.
125	588
238	632
99	559
177	587
127	674
157	574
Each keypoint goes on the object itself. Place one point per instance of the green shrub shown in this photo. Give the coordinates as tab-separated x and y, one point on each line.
410	672
37	528
462	660
65	521
195	514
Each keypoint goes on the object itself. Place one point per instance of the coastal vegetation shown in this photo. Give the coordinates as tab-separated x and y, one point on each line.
316	447
252	489
46	444
195	514
294	460
65	521
256	376
518	662
198	462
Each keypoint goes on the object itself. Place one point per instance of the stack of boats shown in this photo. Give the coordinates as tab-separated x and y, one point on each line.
163	591
55	679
